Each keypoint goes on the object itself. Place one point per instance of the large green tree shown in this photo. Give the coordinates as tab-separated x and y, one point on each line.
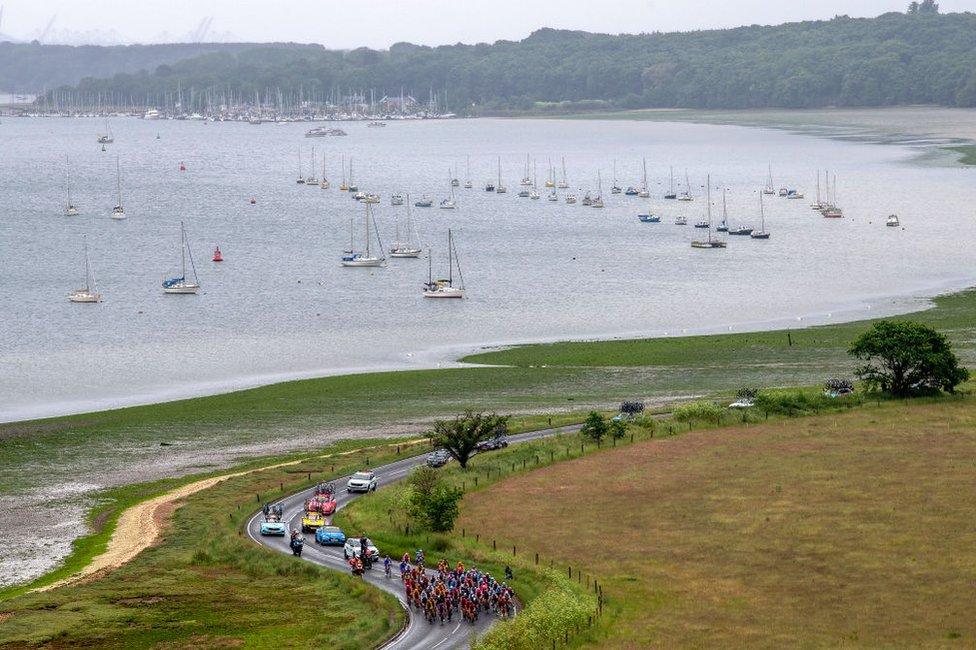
432	503
905	357
461	435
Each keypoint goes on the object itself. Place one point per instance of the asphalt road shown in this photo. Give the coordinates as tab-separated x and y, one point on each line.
418	633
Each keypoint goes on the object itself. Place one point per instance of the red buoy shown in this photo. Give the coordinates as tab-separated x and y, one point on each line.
182	167
217	256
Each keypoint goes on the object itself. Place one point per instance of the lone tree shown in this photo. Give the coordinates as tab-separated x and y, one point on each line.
924	7
461	435
432	503
905	357
595	427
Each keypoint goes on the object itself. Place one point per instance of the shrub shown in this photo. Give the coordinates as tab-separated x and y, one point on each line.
698	412
746	393
632	408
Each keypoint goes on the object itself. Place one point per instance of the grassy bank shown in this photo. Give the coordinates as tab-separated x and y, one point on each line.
207	585
823	347
844	529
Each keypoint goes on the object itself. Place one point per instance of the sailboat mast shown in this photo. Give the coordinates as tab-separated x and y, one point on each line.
367	230
118	179
762	210
183	250
450	258
88	282
672	180
708	204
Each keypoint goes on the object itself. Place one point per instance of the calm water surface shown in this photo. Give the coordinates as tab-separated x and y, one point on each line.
281	306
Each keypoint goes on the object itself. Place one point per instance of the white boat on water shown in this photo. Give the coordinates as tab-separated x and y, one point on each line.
597	201
534	194
499	188
671	194
449	203
396	199
768	189
563	184
892	221
343	186
301	177
118	212
571	199
69	207
407	247
89	292
686	195
181	285
614	188
310	180
643	192
761	233
709	242
107	137
324	183
526	180
445	288
365	257
681	221
467	169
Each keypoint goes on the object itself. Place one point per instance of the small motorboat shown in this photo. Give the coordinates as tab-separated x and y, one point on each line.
631	191
217	257
681	221
702	224
649	218
424	202
741	230
892	221
253	200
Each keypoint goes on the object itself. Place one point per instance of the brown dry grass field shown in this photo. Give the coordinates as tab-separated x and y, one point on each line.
856	529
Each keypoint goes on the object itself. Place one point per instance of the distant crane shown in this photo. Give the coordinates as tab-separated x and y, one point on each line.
47	29
202	29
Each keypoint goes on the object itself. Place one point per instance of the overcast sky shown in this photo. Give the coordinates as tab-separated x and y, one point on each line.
379	23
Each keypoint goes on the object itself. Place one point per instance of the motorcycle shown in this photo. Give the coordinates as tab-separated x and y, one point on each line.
297	543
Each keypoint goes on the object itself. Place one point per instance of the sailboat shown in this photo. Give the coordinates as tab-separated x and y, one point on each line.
352	185
107	137
301	177
89	292
467	169
449	203
723	225
643	193
404	248
761	233
551	175
181	284
615	189
118	212
69	207
769	190
499	188
597	201
708	243
563	183
819	204
534	194
366	257
526	181
830	209
686	195
445	288
324	183
342	163
311	180
671	193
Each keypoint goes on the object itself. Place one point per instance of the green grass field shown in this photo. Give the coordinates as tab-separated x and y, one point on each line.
849	530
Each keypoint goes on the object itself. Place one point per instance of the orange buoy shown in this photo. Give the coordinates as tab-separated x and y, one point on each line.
182	167
217	256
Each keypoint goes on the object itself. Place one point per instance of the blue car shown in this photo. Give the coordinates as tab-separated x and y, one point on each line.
275	528
330	536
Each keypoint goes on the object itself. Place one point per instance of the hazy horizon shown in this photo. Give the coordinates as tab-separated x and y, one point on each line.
384	22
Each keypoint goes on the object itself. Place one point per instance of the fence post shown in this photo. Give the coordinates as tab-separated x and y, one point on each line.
537	559
493	546
257	497
398	450
513	550
309	476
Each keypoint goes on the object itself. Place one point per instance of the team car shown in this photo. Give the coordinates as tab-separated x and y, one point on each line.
352	548
272	524
312	520
361	482
330	536
438	458
322	503
498	442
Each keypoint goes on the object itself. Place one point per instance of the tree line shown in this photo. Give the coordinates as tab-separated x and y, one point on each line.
916	57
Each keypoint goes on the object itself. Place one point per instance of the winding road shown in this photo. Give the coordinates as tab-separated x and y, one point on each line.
417	633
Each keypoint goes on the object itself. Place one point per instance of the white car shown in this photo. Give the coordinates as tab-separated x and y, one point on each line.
361	482
352	548
742	403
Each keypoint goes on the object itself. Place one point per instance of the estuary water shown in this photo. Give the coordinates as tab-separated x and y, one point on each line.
281	306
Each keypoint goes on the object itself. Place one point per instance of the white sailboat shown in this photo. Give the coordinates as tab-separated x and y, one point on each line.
769	189
181	285
686	195
534	194
644	193
550	175
324	183
445	288
301	176
761	233
708	243
118	212
69	207
615	189
597	201
563	183
89	292
311	180
499	188
404	248
353	258
342	163
671	193
526	181
107	137
467	169
352	184
449	203
723	225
